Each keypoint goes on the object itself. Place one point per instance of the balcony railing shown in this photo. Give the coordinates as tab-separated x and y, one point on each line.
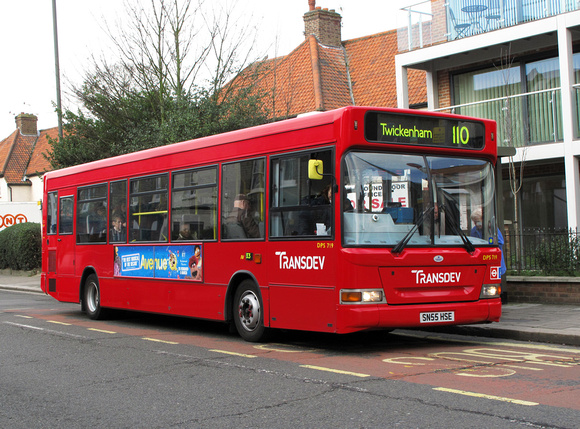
522	119
432	22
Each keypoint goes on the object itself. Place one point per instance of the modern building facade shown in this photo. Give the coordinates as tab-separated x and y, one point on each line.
517	62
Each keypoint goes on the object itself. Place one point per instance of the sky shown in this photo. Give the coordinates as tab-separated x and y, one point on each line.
28	79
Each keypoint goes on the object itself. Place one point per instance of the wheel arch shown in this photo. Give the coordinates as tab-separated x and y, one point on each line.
86	273
233	284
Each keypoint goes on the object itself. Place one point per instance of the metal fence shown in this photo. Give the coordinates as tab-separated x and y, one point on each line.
543	252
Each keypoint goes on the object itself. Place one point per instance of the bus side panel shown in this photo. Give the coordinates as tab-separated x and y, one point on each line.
67	289
114	292
100	257
302	307
176	297
302	281
227	263
204	301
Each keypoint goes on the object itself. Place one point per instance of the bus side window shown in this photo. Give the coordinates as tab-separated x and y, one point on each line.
148	209
118	212
65	215
300	206
194	204
92	214
243	200
51	213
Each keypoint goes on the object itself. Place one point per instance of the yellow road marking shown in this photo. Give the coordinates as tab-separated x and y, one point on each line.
102	330
481	395
58	323
24	317
159	341
494	343
282	348
232	353
337	371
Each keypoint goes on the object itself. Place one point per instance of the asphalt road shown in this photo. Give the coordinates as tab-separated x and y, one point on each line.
60	369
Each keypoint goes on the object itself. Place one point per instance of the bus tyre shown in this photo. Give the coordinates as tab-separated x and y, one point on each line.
92	298
248	314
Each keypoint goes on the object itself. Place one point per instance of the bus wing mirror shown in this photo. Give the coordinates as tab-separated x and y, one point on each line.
315	169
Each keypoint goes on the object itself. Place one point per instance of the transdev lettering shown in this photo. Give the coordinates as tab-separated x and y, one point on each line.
422	277
406	132
300	262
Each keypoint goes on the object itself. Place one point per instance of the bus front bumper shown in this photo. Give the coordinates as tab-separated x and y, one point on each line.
352	318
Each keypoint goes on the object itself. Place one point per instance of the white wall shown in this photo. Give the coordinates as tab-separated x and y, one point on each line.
13	213
23	193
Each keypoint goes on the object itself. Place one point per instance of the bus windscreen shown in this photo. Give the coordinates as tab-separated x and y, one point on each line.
424	130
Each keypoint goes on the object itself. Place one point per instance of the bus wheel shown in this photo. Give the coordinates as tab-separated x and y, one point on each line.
248	315
92	298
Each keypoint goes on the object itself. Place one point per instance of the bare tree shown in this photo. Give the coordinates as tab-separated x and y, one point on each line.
512	138
176	47
166	81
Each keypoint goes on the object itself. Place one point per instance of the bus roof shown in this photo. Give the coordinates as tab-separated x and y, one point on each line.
303	122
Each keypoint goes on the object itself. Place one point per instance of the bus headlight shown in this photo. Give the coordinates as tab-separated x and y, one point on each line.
490	291
361	296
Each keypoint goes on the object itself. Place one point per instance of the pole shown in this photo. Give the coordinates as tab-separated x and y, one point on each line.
57	71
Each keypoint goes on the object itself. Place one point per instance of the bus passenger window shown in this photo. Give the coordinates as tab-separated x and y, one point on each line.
300	206
92	214
243	200
118	212
148	209
194	205
51	216
65	216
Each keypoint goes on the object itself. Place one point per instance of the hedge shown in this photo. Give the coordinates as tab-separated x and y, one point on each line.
20	247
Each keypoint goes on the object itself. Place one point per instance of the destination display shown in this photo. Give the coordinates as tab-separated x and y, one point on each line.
424	131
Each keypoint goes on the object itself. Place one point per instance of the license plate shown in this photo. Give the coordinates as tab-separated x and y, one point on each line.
437	316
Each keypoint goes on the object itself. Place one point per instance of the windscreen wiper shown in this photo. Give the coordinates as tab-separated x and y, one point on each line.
468	244
401	244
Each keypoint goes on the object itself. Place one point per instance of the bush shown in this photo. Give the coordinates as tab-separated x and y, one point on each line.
558	255
20	247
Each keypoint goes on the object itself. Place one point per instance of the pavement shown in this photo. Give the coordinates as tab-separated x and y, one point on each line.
556	324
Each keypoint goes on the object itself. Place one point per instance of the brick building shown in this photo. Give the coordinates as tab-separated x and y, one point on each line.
22	167
325	72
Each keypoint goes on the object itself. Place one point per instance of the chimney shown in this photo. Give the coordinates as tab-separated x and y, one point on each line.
324	24
27	124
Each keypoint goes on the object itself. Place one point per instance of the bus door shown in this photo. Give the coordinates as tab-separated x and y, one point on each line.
302	255
64	266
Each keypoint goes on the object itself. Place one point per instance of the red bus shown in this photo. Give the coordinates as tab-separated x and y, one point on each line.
347	220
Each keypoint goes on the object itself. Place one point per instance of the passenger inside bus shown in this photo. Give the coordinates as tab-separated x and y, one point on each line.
477	230
97	223
184	233
118	231
240	223
318	219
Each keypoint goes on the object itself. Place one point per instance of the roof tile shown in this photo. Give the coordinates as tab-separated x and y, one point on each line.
361	72
22	155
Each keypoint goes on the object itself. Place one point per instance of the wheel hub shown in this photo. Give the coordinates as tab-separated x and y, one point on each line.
249	311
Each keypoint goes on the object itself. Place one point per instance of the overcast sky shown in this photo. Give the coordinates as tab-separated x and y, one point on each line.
27	74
